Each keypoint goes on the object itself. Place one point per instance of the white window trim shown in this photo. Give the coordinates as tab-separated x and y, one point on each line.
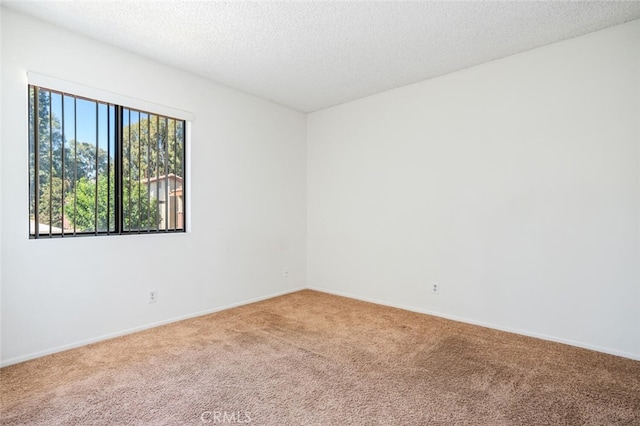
65	86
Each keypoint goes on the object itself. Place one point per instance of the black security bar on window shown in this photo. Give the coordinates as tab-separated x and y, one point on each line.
97	168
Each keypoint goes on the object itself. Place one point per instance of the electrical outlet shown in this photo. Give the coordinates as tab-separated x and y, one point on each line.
285	273
435	288
152	296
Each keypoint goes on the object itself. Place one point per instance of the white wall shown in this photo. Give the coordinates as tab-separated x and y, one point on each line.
247	197
1	240
514	184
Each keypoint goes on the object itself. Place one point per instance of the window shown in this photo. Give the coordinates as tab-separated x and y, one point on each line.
97	168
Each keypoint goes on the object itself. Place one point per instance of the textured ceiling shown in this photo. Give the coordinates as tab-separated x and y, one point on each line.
310	55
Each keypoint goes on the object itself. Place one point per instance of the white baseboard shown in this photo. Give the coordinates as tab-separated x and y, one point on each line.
77	344
596	348
80	343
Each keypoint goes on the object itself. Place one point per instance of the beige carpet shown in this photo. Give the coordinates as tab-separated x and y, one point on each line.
310	358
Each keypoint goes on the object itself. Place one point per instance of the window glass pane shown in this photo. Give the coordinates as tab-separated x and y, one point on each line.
102	176
32	161
126	170
56	184
86	166
111	160
136	167
176	148
163	178
44	155
145	166
99	168
156	189
132	179
70	166
178	160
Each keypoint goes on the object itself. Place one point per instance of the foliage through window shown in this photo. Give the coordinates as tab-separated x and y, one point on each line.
96	168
